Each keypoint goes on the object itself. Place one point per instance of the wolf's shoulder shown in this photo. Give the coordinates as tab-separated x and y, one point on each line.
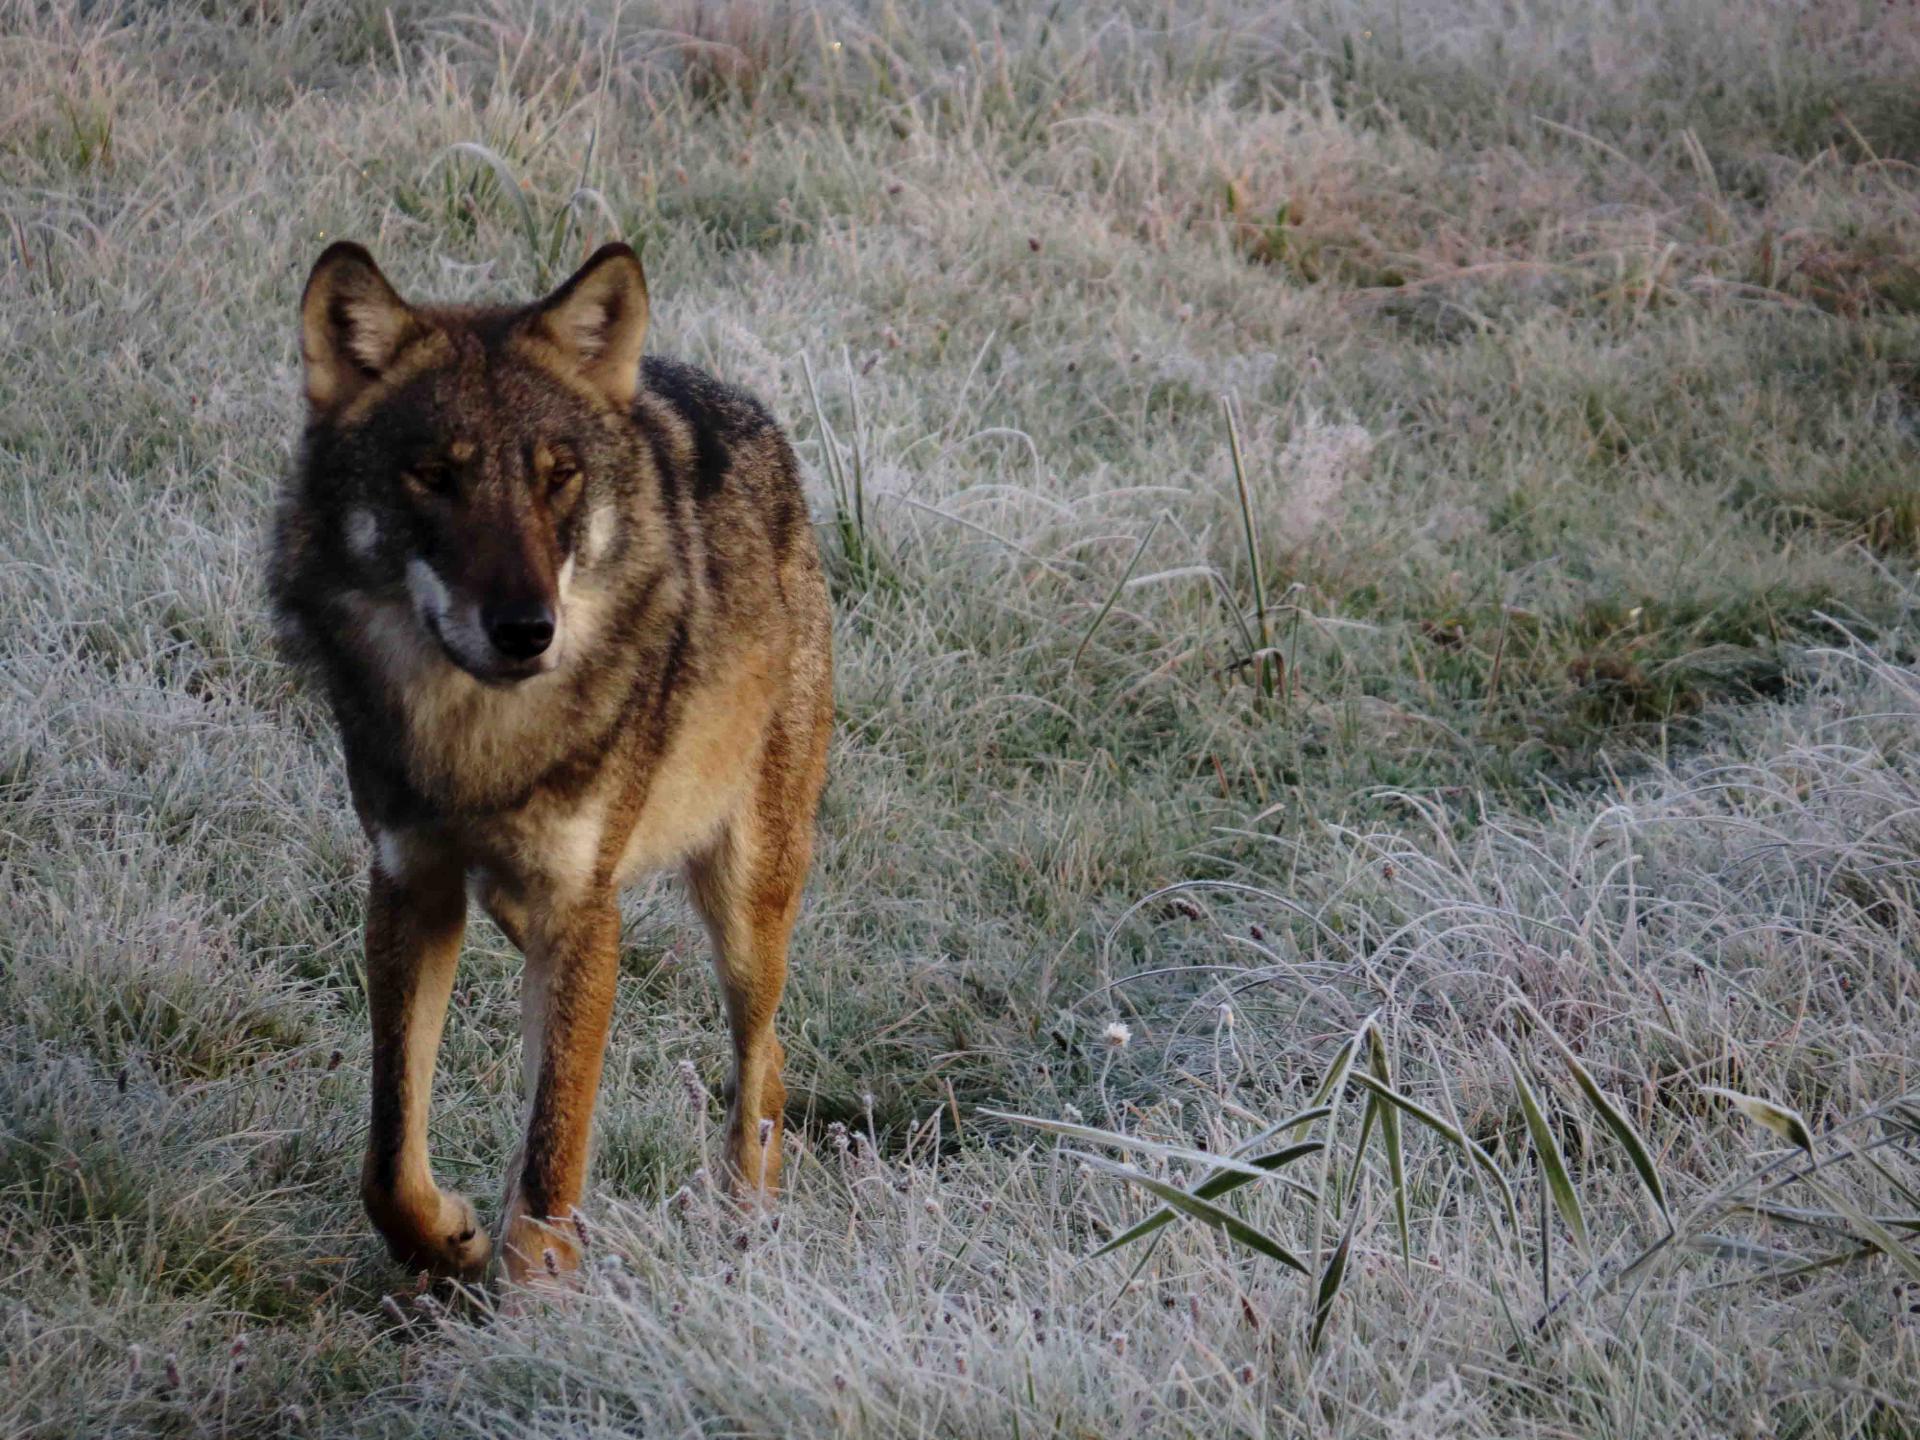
706	403
719	444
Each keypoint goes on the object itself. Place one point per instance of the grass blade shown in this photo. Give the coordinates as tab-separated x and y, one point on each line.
1096	1136
1822	1219
1546	1145
1614	1120
1871	1230
1330	1281
1212	1188
1785	1123
1451	1133
829	444
1337	1072
1263	671
1192	1206
1114	596
1299	1120
1789	1272
1733	1247
1390	1137
1546	1244
504	176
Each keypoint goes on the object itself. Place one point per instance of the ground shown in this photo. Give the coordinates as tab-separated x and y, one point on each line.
1382	521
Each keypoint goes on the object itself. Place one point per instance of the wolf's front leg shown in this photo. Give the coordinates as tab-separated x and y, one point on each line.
415	918
566	1006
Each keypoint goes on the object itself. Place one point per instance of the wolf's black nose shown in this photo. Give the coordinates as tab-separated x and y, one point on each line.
519	630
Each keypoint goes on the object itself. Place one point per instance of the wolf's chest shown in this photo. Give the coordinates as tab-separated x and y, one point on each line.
647	809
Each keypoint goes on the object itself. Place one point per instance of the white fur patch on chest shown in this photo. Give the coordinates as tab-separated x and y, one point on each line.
556	852
390	856
362	531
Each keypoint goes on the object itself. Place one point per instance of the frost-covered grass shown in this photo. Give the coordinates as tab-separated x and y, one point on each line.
1575	364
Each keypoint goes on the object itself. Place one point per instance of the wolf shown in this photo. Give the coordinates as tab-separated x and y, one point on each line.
566	607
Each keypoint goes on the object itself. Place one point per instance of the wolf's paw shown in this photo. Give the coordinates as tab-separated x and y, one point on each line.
753	1164
444	1237
542	1253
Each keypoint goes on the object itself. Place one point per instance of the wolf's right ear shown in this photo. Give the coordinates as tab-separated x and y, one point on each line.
353	325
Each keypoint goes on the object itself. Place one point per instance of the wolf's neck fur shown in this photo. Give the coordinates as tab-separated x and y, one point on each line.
443	742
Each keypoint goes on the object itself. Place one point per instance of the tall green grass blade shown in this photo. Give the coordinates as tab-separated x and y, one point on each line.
1789	1272
1899	1187
1732	1247
1297	1121
1114	595
1452	1134
1822	1219
1214	1187
1336	1076
1546	1242
1871	1230
1390	1137
1368	1119
1331	1280
1553	1164
1261	660
829	446
859	449
1611	1116
1155	1148
1192	1206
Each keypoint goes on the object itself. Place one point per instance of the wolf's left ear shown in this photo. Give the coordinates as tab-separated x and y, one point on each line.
598	320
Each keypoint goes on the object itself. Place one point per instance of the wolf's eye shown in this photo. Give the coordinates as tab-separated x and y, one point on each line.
563	474
433	476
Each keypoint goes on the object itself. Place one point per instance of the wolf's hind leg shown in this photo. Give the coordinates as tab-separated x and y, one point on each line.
415	921
747	888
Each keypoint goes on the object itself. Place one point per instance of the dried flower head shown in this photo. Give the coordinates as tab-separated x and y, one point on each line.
690	1085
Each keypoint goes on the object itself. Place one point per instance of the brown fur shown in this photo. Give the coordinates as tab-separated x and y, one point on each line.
460	463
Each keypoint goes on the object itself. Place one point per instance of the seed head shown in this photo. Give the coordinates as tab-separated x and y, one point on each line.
696	1093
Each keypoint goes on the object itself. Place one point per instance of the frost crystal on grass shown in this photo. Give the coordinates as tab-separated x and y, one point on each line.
1320	463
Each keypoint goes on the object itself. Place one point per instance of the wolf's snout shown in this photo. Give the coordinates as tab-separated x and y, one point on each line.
520	629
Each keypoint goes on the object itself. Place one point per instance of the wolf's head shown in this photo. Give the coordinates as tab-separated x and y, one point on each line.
474	458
